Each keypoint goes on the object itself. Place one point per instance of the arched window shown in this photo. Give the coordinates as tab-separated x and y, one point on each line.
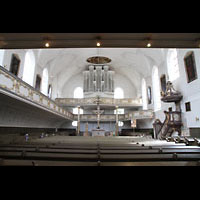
120	111
144	94
74	123
75	111
45	79
119	93
29	68
120	123
172	65
156	89
78	93
1	57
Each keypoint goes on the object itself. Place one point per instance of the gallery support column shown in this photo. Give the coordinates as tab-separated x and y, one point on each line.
117	120
78	124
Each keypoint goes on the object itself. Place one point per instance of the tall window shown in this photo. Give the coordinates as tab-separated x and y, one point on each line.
119	93
172	65
1	57
120	111
75	111
144	94
45	79
78	93
74	123
156	89
29	68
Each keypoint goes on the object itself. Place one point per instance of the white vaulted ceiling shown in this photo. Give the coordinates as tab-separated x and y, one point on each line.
133	64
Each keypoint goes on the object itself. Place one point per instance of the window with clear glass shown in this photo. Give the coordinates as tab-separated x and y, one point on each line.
74	123
118	93
144	94
120	123
78	93
75	111
120	111
29	68
45	79
156	89
172	65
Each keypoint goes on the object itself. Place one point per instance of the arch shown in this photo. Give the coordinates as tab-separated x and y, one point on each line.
172	65
119	93
156	89
29	68
144	94
45	79
78	92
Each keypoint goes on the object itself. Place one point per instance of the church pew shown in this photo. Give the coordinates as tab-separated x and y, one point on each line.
49	156
14	162
149	157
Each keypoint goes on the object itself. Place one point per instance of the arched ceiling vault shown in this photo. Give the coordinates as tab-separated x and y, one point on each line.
134	64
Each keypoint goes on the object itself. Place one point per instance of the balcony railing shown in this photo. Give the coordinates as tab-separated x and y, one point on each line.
127	102
145	114
16	86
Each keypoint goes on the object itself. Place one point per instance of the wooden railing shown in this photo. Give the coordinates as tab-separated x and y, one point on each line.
16	86
172	121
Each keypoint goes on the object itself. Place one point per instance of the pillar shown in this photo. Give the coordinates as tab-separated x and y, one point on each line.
117	120
78	123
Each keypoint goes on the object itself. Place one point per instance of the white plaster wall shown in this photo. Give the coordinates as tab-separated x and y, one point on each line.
124	83
190	91
71	84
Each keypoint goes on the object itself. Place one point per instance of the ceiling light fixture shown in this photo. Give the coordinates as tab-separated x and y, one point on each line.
149	44
98	44
98	39
47	44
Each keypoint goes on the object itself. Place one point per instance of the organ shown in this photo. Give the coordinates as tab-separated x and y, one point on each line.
98	81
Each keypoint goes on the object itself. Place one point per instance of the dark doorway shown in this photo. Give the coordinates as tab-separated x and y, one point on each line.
14	65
